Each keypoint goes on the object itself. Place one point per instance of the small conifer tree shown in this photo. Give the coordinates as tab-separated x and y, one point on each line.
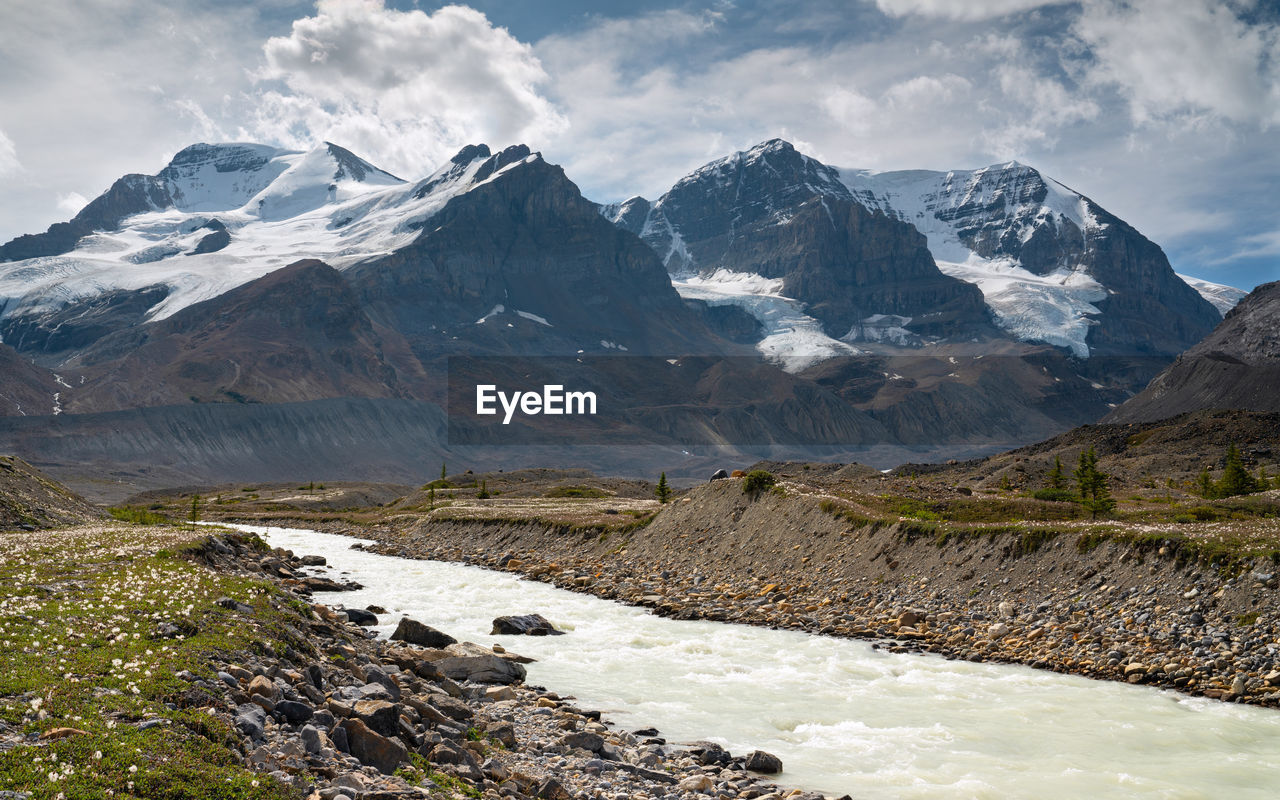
664	489
1094	493
1236	479
1057	478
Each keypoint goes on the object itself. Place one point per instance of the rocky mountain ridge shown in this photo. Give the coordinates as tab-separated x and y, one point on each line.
1237	366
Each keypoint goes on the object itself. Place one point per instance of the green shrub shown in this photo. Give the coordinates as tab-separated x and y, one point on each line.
1056	495
757	481
138	516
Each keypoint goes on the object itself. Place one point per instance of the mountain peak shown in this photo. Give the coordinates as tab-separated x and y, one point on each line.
772	146
223	156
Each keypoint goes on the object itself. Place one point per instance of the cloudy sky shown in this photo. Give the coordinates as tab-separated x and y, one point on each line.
1166	112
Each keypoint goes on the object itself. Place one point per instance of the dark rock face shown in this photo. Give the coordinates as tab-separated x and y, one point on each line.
212	243
1149	310
82	323
414	632
780	214
25	389
1237	366
132	194
525	625
527	240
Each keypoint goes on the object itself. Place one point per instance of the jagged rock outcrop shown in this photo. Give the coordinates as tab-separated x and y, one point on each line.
1237	367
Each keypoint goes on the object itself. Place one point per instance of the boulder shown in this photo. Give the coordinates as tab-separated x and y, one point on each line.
719	475
381	717
471	662
551	789
760	761
294	712
251	721
372	748
524	625
263	686
414	632
361	617
582	740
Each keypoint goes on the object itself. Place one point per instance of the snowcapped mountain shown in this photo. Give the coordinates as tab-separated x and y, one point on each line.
219	216
1222	297
312	289
1051	265
843	266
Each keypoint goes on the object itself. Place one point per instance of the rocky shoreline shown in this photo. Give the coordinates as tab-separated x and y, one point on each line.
422	715
1108	609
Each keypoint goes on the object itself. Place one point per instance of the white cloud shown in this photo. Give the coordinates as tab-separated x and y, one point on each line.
964	10
72	202
8	155
405	89
1258	245
1182	58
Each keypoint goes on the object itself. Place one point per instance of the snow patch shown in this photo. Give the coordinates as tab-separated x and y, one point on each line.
1056	309
282	207
792	339
890	328
1223	297
535	318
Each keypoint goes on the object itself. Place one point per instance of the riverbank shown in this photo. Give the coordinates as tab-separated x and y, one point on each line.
150	661
1191	610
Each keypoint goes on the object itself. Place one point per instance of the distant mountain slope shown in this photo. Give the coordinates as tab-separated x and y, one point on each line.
296	334
1050	265
26	389
1224	298
522	264
774	213
1237	366
30	500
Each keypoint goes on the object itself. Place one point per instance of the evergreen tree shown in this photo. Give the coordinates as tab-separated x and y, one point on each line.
1094	492
664	490
1204	484
443	472
1057	479
195	510
483	494
431	497
1235	478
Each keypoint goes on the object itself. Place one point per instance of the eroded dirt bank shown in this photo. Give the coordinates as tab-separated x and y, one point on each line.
1064	597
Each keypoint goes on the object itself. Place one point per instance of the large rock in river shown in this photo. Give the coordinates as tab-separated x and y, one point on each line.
524	625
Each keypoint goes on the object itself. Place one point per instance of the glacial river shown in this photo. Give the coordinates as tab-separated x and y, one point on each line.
844	718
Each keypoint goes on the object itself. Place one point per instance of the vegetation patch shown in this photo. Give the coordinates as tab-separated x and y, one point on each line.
95	624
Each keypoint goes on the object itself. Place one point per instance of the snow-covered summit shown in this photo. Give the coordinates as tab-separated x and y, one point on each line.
1224	298
220	215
